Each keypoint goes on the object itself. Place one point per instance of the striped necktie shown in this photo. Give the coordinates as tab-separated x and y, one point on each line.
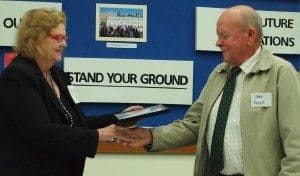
216	157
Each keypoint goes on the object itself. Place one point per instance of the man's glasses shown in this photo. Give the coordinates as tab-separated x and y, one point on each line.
58	37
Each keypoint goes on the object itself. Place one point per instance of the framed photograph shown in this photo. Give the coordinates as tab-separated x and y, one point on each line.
121	22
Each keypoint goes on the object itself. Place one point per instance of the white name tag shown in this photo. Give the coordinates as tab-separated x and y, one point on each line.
72	93
261	100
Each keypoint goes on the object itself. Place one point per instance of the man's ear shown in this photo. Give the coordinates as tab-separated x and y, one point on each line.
252	36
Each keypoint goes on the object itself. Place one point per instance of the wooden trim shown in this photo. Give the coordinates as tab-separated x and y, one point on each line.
112	147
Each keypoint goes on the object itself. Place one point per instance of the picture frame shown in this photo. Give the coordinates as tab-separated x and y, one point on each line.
121	22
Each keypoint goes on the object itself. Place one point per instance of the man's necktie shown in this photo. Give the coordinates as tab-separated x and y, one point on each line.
216	157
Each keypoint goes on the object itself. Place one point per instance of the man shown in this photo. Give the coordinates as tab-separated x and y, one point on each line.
262	134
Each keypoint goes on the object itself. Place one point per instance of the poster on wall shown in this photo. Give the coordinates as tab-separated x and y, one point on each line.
10	17
280	30
121	22
111	80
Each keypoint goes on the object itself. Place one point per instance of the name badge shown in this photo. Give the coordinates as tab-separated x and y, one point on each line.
261	99
72	93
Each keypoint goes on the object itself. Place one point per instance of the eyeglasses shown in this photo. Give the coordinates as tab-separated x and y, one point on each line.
58	37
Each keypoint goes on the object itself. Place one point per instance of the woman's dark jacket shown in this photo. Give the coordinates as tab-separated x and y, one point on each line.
36	139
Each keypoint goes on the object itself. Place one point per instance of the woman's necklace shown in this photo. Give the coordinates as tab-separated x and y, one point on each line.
51	81
68	115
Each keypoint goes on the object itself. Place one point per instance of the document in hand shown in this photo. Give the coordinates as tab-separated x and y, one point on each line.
131	117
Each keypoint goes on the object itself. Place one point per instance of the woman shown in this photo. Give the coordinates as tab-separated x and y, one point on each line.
43	131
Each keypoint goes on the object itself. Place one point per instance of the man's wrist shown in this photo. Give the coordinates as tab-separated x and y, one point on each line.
148	146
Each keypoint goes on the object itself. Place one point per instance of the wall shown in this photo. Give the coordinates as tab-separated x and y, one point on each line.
171	35
140	165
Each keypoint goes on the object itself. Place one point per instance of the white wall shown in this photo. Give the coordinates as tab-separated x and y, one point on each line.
152	164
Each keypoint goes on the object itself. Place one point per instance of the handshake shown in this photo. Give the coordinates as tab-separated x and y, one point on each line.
127	135
130	136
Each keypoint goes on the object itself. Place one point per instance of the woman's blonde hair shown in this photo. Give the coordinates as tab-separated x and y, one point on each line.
34	27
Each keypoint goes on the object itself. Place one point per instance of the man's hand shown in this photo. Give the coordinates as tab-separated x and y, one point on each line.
139	137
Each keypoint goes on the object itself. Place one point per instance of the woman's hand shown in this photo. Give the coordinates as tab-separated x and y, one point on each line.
133	108
131	122
113	132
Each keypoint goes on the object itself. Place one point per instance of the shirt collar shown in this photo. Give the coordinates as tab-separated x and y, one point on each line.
249	64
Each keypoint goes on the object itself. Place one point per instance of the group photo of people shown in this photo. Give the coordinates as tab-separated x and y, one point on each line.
121	21
126	31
